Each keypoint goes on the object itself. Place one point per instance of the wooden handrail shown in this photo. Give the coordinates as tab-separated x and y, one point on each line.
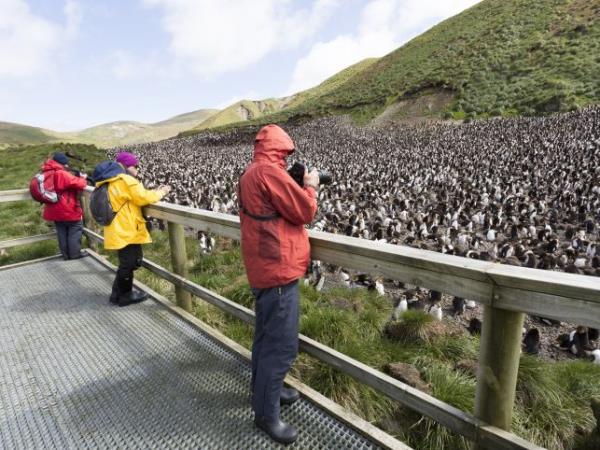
9	243
443	413
558	295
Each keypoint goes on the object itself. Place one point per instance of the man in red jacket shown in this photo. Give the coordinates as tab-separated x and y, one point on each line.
66	213
276	253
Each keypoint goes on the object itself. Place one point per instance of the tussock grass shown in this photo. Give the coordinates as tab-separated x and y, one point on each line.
552	404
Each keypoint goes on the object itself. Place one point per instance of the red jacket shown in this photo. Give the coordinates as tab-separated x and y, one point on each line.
67	186
276	250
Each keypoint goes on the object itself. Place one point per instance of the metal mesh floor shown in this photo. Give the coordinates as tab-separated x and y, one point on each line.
76	372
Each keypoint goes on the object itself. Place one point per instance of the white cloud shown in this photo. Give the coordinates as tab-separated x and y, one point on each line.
384	26
28	42
217	36
74	16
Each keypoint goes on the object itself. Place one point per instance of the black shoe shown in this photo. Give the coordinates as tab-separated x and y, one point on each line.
132	297
288	396
278	431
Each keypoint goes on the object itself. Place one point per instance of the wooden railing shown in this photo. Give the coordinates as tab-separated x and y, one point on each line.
507	293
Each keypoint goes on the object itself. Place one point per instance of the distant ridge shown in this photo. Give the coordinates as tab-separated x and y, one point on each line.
105	135
252	110
16	134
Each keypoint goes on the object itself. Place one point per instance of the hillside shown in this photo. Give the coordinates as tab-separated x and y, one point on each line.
15	134
242	111
498	58
251	110
105	135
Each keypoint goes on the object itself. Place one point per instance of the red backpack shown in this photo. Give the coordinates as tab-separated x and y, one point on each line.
41	187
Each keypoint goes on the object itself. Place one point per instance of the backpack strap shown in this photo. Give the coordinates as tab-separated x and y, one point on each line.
120	207
264	218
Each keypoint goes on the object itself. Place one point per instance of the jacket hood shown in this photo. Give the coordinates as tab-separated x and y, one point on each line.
272	144
106	170
52	165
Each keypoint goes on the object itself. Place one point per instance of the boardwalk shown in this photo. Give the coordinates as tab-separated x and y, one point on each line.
76	372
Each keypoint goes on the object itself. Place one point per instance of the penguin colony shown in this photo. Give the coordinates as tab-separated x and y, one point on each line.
520	191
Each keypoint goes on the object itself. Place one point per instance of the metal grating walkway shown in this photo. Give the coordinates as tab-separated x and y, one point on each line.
76	372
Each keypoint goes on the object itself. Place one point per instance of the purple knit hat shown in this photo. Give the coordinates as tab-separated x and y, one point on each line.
127	159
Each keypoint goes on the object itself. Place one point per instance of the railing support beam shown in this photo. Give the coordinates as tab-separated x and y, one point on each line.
179	261
499	356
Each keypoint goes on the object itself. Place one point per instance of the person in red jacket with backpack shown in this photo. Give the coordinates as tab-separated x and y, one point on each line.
276	252
66	213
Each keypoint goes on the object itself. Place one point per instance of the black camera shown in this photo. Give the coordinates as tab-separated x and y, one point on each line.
298	170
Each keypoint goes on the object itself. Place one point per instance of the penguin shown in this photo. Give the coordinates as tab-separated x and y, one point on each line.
400	308
379	287
436	311
532	341
458	304
435	296
475	326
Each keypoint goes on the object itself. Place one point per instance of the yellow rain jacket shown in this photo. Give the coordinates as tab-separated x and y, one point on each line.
127	195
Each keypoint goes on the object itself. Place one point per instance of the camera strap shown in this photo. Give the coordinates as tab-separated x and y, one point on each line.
264	218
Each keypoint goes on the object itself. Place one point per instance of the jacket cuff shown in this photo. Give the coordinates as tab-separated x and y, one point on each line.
311	190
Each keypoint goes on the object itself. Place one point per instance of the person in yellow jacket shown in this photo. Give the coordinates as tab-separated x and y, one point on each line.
127	232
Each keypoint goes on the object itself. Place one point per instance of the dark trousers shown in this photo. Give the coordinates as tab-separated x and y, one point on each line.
275	345
69	238
130	259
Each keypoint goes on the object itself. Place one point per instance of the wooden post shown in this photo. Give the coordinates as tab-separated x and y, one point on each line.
179	261
499	356
88	221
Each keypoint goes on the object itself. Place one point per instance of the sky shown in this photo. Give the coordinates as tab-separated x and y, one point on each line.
71	64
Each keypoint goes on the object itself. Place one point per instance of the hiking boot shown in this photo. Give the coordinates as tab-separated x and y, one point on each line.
288	396
132	297
278	431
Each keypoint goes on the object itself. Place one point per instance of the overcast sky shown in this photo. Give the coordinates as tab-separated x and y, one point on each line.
71	64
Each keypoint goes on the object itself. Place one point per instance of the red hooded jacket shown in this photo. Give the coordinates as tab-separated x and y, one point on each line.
275	243
67	187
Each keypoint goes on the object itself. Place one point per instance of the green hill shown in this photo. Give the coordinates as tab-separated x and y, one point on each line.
498	58
105	135
16	134
253	111
242	111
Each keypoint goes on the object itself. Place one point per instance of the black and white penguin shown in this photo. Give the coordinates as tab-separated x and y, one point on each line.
474	326
531	341
458	304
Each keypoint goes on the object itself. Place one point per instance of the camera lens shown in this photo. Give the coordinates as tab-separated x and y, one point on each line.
324	177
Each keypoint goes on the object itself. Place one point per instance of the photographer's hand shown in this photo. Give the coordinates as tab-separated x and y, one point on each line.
312	178
164	190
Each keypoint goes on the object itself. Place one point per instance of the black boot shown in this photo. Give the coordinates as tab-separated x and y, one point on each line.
278	431
132	297
288	396
114	295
